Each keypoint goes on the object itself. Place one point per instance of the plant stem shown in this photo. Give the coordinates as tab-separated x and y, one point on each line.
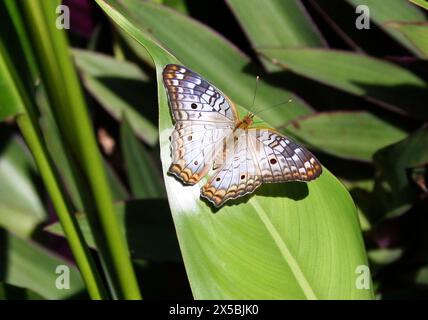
70	110
35	143
68	221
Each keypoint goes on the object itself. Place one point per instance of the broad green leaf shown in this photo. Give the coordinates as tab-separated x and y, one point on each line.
289	24
290	240
421	3
148	228
382	12
209	54
26	264
376	80
392	163
21	209
416	33
353	135
10	292
119	86
143	175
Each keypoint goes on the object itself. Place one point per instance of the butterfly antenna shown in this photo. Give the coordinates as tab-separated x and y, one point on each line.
274	106
255	92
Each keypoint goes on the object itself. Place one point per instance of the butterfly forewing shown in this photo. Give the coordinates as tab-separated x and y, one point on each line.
193	98
204	118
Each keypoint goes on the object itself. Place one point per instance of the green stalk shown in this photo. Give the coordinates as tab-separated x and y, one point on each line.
64	91
68	221
35	143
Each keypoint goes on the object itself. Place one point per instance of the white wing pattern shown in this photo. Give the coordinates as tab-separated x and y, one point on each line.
204	118
208	134
260	156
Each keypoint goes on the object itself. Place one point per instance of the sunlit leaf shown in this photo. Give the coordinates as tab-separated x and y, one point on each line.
290	240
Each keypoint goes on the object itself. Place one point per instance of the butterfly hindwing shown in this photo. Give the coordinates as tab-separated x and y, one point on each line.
259	156
238	175
194	147
280	159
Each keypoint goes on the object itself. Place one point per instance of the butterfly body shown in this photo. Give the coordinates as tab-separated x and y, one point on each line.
209	134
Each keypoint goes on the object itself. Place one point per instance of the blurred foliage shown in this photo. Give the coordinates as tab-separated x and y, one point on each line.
359	101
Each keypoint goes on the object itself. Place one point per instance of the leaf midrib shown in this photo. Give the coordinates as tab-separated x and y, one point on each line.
285	252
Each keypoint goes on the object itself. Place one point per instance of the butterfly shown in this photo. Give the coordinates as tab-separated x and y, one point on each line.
209	134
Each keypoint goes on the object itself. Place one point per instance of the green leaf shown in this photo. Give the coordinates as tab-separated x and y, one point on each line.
376	80
385	256
143	175
148	228
291	240
289	24
26	264
209	54
10	292
15	39
346	134
421	3
382	12
179	5
66	165
421	276
416	33
135	47
117	187
119	86
21	209
10	102
365	199
392	163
